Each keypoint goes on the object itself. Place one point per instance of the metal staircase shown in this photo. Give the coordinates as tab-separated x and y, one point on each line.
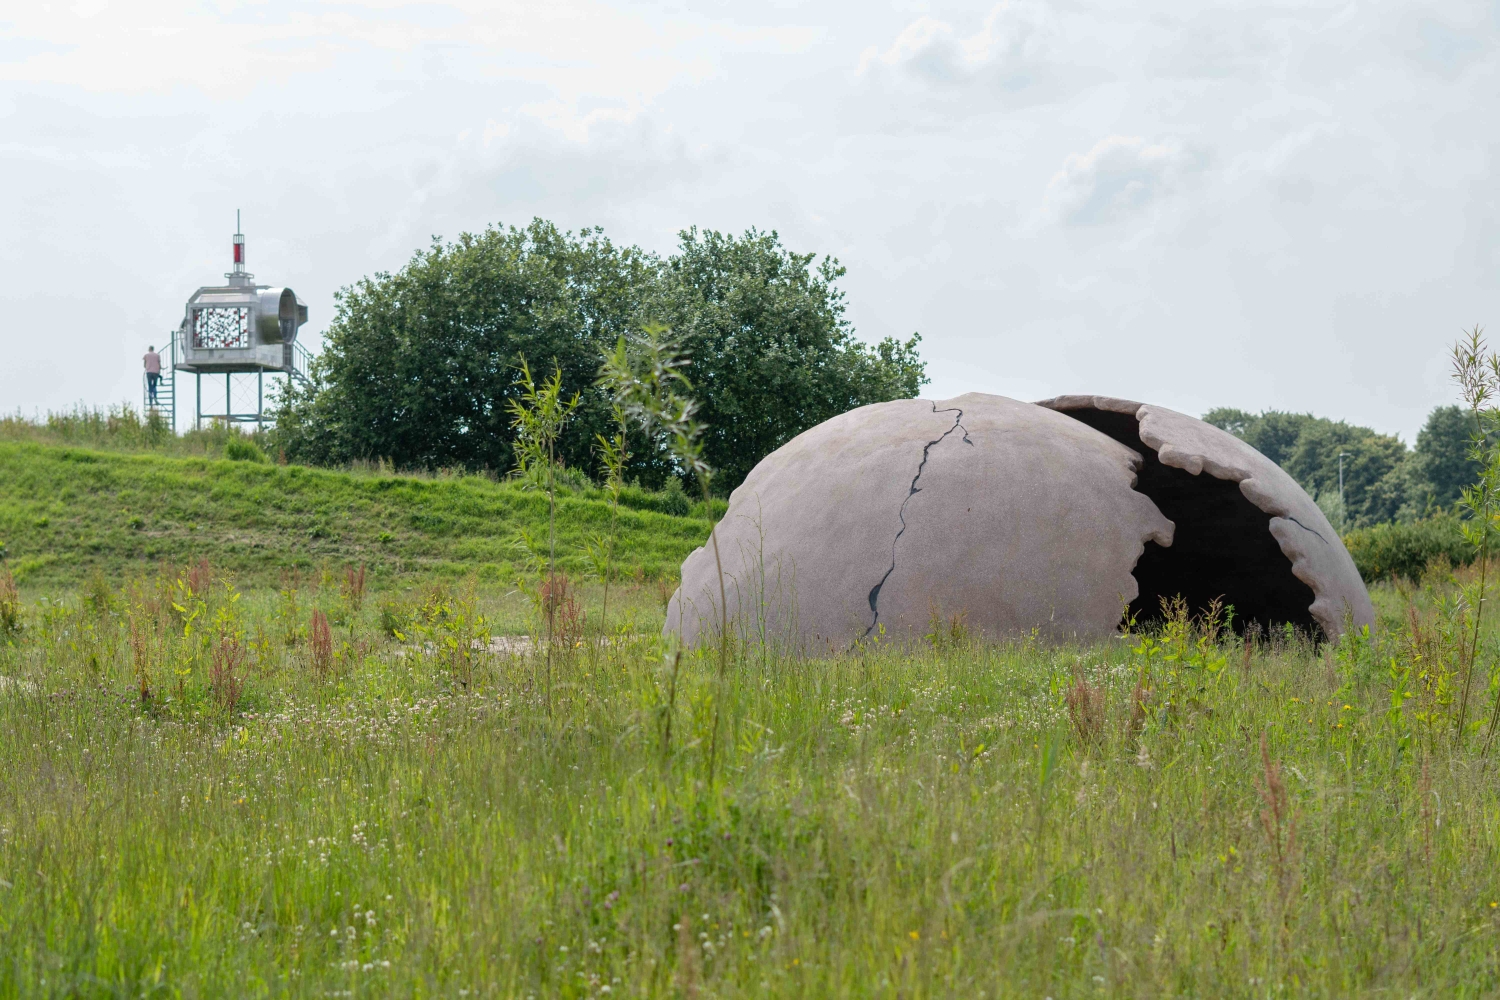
166	387
298	360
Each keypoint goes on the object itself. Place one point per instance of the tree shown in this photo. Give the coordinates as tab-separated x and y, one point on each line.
1382	480
1442	461
646	382
539	416
1377	480
1226	418
772	351
419	365
1372	485
1272	433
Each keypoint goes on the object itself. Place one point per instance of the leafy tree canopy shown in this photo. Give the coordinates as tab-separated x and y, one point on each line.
1442	454
419	366
772	351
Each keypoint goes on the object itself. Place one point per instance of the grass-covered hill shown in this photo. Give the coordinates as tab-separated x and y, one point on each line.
67	511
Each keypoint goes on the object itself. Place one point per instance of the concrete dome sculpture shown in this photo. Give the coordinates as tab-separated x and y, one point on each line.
1245	529
1022	516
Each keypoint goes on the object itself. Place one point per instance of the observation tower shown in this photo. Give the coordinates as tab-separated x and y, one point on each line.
242	331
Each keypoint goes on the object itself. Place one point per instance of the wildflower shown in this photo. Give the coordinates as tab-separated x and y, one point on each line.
915	936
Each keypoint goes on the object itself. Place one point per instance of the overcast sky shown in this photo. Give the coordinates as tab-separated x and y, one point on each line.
1258	205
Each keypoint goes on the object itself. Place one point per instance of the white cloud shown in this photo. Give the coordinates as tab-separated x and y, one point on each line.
578	51
1012	41
1061	197
1119	176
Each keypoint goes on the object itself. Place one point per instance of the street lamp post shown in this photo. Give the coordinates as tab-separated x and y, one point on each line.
1342	515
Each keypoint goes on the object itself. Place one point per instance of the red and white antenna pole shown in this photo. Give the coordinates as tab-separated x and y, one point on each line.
239	245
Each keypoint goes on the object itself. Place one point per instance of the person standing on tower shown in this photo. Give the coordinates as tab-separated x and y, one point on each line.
152	361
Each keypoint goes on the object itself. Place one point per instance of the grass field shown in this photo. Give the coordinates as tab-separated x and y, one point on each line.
67	512
204	793
230	765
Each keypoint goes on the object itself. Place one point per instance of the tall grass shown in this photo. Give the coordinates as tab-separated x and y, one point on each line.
393	811
119	428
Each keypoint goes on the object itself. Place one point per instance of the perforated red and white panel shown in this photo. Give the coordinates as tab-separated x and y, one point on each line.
221	326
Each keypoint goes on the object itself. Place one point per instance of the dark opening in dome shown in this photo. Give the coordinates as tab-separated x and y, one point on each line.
1222	546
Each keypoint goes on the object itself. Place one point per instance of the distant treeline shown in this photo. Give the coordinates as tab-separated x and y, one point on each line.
1384	480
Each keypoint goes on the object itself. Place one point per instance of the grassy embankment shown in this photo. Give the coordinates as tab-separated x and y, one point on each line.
67	512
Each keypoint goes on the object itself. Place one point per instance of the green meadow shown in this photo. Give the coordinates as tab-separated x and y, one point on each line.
234	764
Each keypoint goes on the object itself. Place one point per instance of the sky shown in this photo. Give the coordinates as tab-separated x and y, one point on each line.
1259	205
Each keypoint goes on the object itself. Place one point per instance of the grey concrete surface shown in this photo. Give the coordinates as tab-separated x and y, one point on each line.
867	525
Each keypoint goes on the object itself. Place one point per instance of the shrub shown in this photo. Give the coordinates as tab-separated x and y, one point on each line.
395	619
671	500
238	449
352	590
98	596
227	670
571	478
1385	551
141	655
1086	710
320	643
10	605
